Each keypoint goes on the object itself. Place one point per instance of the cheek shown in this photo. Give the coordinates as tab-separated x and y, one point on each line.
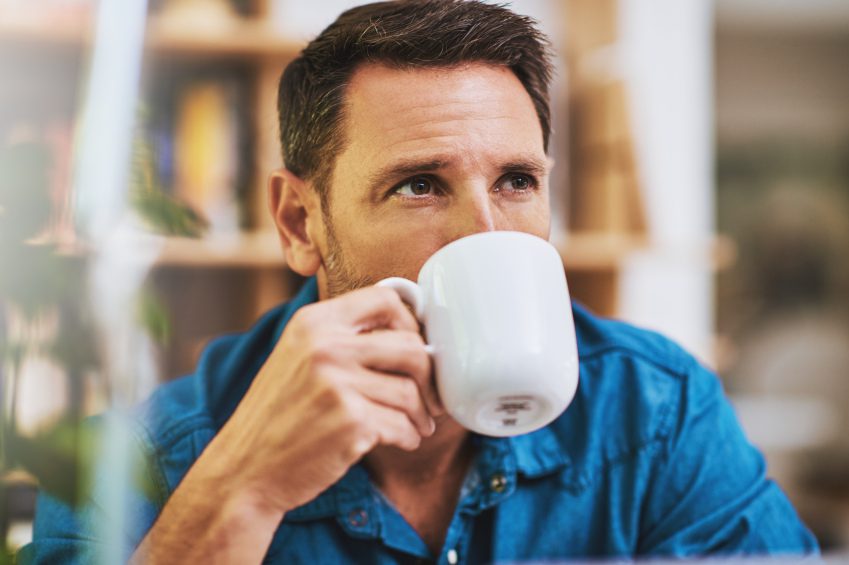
400	251
542	223
531	217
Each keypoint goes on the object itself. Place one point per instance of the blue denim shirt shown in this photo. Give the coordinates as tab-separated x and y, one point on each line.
647	460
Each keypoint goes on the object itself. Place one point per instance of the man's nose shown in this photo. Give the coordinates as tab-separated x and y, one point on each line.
475	213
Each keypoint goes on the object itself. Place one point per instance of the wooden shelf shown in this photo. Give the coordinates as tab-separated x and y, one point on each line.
239	250
18	477
250	249
580	252
237	38
589	251
28	28
249	38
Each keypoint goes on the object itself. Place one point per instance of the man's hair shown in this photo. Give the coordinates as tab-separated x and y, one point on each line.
405	34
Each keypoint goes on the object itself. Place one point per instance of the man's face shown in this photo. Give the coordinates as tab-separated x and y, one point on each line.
432	155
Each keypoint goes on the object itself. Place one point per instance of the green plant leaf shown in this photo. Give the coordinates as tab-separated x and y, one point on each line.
7	557
162	212
167	215
75	346
64	460
153	316
54	458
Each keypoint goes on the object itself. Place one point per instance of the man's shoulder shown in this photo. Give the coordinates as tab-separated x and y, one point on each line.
616	357
635	387
600	338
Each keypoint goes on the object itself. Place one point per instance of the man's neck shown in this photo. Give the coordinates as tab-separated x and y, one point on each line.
446	452
424	485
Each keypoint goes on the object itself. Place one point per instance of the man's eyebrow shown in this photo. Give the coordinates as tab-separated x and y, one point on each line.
402	169
531	165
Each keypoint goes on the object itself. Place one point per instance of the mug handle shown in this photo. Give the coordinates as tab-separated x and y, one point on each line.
410	293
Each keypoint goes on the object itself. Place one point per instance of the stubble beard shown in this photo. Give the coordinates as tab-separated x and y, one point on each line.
341	275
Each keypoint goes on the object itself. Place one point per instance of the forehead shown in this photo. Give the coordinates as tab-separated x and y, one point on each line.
477	108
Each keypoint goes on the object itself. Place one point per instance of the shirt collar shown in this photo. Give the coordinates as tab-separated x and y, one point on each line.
306	296
494	476
539	453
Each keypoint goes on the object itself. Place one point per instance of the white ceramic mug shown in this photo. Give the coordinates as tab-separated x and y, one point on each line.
498	320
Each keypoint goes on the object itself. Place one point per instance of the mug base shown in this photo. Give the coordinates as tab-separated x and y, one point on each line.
514	414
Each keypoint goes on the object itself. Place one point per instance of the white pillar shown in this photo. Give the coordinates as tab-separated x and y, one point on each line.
666	48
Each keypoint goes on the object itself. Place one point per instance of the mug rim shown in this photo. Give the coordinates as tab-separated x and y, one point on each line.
494	233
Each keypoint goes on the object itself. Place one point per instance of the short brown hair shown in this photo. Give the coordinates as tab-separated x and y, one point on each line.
402	34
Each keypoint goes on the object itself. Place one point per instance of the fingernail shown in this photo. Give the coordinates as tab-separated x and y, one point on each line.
432	426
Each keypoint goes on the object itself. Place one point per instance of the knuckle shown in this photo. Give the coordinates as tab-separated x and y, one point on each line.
410	438
400	433
414	340
391	300
345	404
359	445
349	414
304	317
320	349
409	394
358	438
302	330
317	360
389	296
416	354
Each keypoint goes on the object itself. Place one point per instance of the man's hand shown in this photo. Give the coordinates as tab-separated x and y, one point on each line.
346	375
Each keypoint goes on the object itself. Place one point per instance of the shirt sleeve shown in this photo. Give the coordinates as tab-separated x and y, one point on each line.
710	493
78	534
60	536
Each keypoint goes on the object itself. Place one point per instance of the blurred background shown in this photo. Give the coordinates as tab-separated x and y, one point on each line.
701	190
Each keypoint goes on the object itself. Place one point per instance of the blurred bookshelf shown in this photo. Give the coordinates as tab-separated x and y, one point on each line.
207	128
208	93
246	37
243	250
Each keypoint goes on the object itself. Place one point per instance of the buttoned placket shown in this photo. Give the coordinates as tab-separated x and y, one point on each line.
364	513
491	479
357	511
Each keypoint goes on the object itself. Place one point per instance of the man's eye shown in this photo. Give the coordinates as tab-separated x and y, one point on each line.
518	182
417	186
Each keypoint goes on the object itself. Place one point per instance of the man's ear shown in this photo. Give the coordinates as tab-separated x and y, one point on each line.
297	214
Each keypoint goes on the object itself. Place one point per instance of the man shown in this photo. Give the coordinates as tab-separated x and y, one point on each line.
318	435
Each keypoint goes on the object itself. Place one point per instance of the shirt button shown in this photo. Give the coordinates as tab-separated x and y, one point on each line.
358	518
451	556
498	482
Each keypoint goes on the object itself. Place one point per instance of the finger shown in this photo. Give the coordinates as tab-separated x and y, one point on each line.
371	308
394	428
402	352
396	392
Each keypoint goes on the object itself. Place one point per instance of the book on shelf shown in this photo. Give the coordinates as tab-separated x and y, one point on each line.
200	132
206	155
